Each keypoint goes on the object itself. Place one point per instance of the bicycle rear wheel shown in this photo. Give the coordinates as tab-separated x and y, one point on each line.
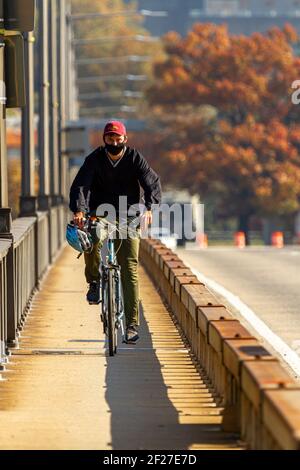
111	314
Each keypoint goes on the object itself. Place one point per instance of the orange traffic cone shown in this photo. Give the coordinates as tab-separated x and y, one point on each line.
240	239
201	240
277	239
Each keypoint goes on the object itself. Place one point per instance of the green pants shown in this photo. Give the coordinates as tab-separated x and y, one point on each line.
127	252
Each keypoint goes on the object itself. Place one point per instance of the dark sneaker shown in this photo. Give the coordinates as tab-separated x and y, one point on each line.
93	294
132	334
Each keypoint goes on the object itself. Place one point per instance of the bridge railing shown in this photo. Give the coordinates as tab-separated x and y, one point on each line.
21	286
28	245
261	400
42	236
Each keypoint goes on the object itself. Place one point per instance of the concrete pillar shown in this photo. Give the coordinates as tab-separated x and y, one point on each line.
28	200
44	173
63	98
3	154
53	103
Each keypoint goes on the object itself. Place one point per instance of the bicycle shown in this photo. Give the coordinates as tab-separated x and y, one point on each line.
111	299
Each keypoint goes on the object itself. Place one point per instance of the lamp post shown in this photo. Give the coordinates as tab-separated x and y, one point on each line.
3	157
62	92
53	104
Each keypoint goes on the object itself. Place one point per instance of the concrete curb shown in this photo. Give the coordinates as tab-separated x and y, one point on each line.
261	401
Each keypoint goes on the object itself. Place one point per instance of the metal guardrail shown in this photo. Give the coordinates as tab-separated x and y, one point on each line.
26	250
24	279
43	257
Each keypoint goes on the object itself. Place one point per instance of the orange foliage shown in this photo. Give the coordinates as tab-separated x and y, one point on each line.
248	153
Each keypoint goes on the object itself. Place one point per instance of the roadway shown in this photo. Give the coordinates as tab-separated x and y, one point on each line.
266	279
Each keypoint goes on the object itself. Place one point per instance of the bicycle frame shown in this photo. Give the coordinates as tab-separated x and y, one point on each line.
117	269
117	291
112	299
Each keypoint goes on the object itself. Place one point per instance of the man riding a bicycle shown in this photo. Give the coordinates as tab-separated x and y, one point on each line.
112	172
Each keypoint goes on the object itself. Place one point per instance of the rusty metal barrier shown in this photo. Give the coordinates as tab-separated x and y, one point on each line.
27	246
261	401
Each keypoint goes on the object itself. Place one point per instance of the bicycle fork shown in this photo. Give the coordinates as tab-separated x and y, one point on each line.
118	299
119	302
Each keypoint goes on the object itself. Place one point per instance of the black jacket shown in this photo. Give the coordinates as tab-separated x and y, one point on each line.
98	181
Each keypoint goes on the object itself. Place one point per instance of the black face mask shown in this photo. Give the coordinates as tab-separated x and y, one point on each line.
115	149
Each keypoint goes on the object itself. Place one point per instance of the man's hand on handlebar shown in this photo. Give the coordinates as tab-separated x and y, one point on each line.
78	219
146	220
147	217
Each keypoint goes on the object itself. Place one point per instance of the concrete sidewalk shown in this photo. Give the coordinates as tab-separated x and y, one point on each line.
61	390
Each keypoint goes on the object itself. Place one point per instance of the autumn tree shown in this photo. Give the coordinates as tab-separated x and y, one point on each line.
247	152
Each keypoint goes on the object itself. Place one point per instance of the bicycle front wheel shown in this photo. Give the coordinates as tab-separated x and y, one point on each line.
111	314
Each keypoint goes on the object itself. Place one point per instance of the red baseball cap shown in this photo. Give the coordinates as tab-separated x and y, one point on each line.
115	127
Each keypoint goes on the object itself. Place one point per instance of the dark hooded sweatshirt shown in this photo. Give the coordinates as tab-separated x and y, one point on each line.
99	182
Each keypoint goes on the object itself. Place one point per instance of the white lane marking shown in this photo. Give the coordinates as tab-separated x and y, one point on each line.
287	353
